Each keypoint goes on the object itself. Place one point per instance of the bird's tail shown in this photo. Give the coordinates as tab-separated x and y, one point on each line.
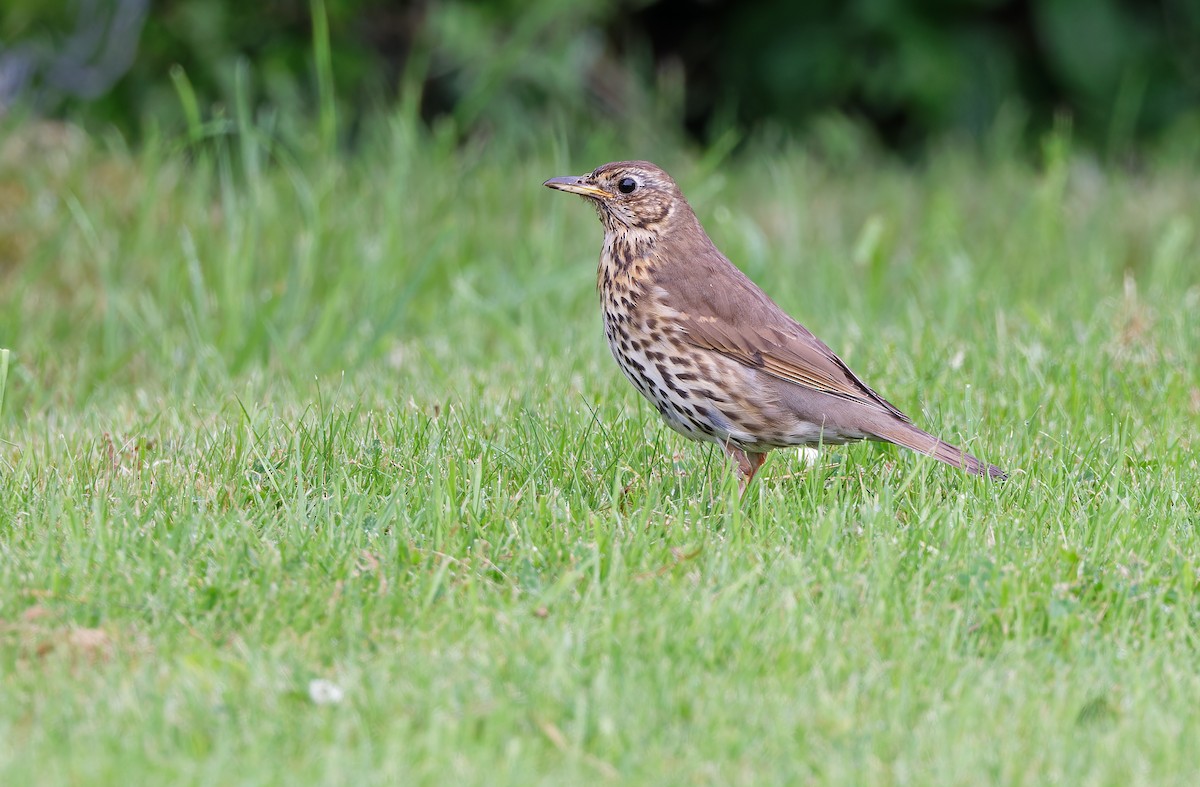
911	437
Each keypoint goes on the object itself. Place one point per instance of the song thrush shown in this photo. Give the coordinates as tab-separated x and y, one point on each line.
717	357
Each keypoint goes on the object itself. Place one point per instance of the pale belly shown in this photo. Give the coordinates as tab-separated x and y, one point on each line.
681	404
694	399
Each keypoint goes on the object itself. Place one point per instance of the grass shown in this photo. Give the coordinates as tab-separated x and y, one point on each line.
271	421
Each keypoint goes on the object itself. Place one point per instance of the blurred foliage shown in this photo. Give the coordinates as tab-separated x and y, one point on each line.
1120	68
1125	71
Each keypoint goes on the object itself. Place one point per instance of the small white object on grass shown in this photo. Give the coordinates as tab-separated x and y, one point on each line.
325	692
808	455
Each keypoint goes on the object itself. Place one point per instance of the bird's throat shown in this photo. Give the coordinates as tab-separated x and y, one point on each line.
627	246
627	258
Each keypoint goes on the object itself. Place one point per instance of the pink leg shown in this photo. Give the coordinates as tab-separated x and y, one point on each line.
748	463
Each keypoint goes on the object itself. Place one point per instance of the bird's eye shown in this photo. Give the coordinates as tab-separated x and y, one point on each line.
627	185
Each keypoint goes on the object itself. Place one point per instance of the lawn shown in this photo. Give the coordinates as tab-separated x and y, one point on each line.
315	468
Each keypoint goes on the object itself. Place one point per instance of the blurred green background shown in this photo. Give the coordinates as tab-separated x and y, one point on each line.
1124	72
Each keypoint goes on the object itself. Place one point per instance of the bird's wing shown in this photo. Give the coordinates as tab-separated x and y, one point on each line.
729	314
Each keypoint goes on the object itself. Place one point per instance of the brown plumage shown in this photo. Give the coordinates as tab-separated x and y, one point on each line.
717	357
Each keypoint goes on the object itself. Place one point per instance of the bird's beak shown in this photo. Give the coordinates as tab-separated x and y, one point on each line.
576	185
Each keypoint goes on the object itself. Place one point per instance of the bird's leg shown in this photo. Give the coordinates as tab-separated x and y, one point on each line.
748	463
755	461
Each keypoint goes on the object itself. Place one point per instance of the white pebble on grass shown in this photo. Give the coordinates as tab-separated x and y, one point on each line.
325	692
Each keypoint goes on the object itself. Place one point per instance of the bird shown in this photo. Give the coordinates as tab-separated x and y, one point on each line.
718	359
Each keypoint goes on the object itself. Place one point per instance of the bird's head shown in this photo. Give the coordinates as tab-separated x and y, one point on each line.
629	195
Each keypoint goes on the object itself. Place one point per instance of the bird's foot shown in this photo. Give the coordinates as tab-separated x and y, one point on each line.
748	464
